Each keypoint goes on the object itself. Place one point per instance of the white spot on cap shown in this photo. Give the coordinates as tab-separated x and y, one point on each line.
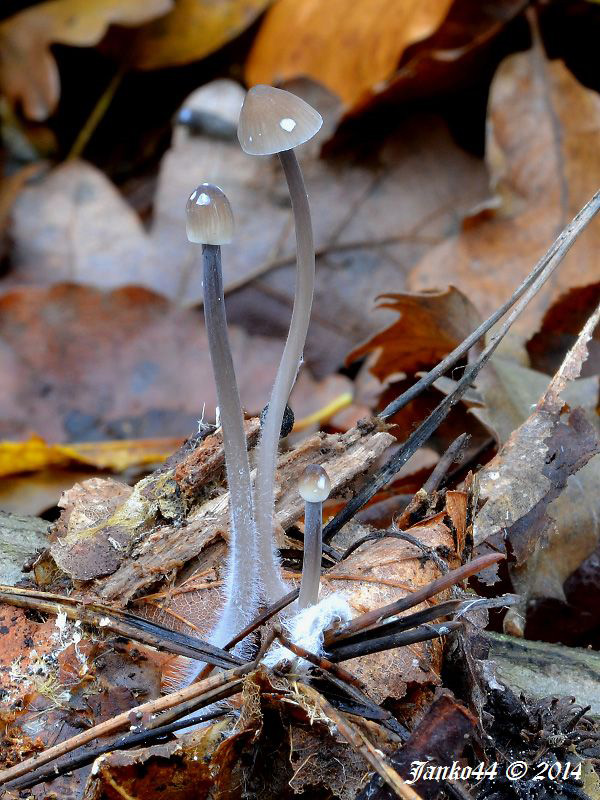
287	124
203	199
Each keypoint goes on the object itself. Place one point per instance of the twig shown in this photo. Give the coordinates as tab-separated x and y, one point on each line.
560	248
122	623
195	703
409	621
359	742
448	458
318	661
421	634
122	743
266	615
413	599
527	290
122	720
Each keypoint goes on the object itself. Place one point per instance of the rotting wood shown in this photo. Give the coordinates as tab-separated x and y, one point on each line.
166	548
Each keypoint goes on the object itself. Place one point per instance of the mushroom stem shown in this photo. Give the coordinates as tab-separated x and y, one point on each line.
241	583
269	565
314	489
311	563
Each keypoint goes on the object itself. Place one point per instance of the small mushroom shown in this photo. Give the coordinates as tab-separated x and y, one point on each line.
209	221
274	121
314	488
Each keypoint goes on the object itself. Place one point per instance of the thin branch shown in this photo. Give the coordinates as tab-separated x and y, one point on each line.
124	720
559	248
318	661
451	455
409	621
526	291
144	737
122	623
413	599
421	634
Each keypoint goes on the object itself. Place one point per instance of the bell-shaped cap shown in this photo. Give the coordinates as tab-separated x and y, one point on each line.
208	216
314	486
273	120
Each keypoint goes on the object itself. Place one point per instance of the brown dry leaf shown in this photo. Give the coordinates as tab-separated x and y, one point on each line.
71	224
454	54
191	765
431	325
85	364
531	470
192	30
28	72
560	327
440	736
374	217
36	454
544	165
388	674
57	678
352	49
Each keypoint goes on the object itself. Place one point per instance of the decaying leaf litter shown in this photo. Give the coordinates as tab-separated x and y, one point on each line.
133	575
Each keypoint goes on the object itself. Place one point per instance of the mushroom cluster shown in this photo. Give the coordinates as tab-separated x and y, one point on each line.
272	121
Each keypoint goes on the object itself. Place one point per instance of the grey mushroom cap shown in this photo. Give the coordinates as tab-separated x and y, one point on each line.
208	216
273	120
314	485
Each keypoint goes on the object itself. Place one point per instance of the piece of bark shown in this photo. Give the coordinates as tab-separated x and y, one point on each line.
103	518
165	548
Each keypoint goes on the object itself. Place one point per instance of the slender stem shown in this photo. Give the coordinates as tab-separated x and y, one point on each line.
271	579
241	583
311	562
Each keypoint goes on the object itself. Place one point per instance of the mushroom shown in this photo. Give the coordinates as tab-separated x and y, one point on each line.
314	488
209	221
274	121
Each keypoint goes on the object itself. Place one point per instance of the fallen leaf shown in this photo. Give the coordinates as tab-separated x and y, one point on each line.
388	674
353	50
28	72
83	364
439	737
454	56
374	216
560	326
544	165
36	454
192	30
73	225
430	326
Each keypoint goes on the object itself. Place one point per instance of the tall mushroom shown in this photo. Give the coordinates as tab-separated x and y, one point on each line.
274	121
209	222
